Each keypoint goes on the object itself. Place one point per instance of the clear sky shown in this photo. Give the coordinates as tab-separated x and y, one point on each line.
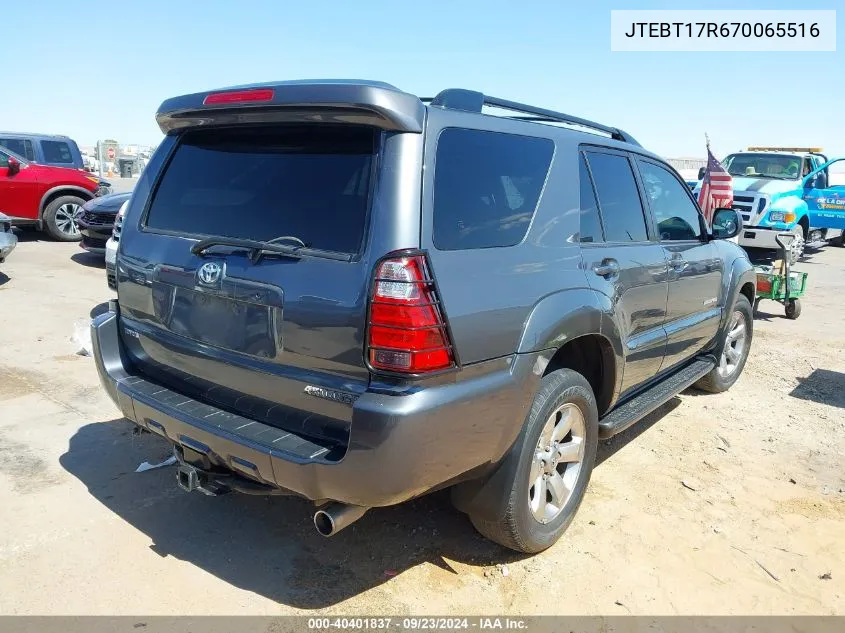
99	70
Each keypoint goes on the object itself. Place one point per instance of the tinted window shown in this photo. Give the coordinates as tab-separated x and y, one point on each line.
310	182
4	160
21	147
590	223
56	152
675	213
619	199
486	187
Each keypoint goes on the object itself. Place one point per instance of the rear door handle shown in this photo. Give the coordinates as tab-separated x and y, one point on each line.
607	268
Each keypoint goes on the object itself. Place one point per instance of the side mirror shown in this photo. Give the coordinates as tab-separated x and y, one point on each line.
726	224
701	172
14	166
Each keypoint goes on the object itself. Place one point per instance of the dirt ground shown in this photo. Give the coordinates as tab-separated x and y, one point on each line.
716	504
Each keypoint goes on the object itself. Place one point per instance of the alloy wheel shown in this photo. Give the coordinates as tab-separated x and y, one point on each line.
66	217
557	462
734	349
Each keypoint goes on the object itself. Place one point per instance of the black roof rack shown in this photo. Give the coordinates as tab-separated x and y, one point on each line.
473	101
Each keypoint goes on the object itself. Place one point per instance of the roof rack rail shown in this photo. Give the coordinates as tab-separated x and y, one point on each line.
473	101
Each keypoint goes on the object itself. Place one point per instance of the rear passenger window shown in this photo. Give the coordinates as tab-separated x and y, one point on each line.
56	152
486	187
619	199
590	223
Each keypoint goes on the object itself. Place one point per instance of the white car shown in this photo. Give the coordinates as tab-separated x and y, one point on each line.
111	248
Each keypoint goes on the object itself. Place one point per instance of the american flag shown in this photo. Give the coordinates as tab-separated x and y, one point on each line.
716	188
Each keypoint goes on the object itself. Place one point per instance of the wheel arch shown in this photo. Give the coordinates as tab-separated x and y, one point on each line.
576	329
62	190
592	356
739	278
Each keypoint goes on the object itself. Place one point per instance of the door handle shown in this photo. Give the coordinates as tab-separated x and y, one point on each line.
608	268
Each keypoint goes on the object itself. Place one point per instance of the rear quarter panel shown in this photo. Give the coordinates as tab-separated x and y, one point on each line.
489	294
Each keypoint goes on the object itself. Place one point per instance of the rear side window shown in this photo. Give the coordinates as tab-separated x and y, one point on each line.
21	147
262	183
619	198
591	230
486	187
56	152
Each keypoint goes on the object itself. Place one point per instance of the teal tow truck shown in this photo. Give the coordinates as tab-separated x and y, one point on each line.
785	190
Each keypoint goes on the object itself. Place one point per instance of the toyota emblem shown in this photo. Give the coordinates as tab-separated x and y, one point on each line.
209	273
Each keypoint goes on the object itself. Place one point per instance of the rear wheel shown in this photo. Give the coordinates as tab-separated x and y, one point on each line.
553	462
60	218
793	308
839	241
732	352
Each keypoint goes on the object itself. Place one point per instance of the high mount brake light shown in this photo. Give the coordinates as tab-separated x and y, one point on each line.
407	329
253	95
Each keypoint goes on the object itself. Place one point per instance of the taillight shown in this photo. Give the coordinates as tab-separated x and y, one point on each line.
239	96
407	330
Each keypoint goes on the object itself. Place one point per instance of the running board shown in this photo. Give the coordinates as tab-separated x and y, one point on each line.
637	408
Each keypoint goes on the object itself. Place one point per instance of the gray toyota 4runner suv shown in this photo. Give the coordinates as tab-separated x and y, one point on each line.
339	290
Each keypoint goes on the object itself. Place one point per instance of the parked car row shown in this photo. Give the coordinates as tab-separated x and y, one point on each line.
47	197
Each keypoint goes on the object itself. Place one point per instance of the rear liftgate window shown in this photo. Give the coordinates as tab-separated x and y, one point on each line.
310	182
486	187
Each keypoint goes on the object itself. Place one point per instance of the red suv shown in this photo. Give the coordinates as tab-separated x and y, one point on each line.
51	198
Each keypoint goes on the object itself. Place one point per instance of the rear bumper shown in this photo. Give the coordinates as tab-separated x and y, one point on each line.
400	446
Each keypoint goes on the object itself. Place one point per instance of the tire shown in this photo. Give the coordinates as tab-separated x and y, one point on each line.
839	241
59	222
793	308
796	249
563	395
727	370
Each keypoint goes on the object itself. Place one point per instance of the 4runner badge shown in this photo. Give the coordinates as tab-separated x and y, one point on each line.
330	394
209	273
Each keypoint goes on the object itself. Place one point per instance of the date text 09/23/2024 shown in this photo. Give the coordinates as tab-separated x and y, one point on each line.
416	624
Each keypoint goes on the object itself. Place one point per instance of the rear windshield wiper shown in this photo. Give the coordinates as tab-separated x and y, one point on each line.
257	248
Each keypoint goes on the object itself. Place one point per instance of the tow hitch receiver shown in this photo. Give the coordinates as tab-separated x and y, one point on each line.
212	483
190	479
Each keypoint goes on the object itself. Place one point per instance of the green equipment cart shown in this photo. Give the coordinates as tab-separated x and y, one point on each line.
780	283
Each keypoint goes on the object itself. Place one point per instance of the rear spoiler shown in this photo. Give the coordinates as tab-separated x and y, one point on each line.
360	102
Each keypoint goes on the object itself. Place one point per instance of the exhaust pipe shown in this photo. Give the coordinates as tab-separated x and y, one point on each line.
336	516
